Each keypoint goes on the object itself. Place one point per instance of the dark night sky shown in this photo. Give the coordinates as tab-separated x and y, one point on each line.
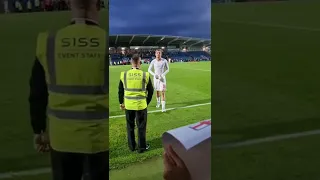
190	18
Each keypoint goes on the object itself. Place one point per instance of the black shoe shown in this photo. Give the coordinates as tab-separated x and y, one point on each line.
132	149
144	149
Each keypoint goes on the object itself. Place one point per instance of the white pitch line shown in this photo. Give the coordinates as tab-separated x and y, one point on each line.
169	109
223	146
206	70
268	139
32	172
48	170
272	25
201	70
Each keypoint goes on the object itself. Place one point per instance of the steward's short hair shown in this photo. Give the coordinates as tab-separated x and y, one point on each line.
135	58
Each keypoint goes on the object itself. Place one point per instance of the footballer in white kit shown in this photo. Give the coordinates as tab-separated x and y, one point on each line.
161	68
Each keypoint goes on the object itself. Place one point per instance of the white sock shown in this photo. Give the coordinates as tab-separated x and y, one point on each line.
163	103
158	100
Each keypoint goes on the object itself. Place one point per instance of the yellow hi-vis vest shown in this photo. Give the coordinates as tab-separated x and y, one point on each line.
135	84
77	74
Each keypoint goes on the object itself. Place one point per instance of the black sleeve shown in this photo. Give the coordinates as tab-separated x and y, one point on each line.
150	91
120	92
38	98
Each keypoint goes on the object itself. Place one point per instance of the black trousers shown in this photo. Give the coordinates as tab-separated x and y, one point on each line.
74	166
141	119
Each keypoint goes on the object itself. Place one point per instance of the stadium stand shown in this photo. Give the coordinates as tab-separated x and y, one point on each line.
175	48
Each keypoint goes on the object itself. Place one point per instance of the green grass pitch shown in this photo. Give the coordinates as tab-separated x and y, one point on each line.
188	84
265	74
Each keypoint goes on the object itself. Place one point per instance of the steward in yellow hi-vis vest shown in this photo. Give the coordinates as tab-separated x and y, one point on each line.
135	93
135	83
78	87
69	87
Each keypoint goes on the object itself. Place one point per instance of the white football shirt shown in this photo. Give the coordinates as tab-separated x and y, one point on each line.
161	67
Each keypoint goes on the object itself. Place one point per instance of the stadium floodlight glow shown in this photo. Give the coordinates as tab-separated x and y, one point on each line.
123	48
136	48
162	47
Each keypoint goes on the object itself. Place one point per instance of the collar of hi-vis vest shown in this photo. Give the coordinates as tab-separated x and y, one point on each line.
84	21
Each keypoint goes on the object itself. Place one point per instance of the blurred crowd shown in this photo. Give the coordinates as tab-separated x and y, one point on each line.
144	53
123	56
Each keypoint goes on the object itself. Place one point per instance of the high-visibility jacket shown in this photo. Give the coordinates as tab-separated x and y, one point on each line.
76	67
135	83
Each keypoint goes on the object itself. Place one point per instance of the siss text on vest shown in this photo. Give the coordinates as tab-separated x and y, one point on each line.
80	42
134	76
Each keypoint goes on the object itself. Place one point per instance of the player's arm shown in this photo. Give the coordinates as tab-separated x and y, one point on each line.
38	98
150	68
167	68
150	91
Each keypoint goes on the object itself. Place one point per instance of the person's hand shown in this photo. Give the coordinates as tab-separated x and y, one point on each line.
174	167
161	78
122	107
157	76
41	142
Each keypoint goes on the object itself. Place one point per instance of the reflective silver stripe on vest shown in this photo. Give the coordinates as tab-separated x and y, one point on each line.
135	97
96	113
80	90
135	89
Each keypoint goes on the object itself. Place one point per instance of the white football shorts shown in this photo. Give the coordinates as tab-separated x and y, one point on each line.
160	85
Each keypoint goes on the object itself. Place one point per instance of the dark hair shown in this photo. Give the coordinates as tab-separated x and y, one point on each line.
136	58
